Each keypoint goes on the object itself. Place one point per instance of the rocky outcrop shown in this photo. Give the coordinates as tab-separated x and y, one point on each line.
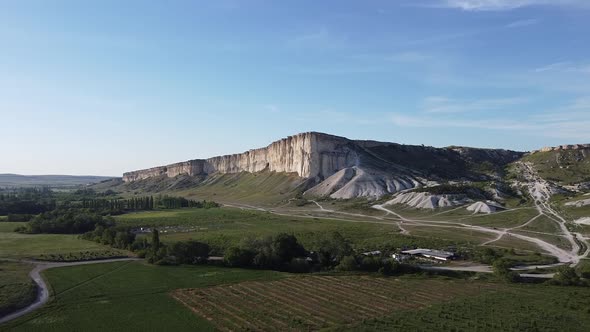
563	148
341	168
310	155
423	200
484	207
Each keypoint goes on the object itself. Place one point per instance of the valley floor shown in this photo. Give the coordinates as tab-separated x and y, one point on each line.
125	296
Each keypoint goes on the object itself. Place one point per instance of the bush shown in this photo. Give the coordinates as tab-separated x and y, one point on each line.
237	257
299	265
19	217
348	263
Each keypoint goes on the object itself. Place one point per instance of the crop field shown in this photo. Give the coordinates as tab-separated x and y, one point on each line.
516	308
366	303
126	296
225	227
16	288
313	303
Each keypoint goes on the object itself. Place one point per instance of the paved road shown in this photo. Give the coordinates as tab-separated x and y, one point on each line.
43	290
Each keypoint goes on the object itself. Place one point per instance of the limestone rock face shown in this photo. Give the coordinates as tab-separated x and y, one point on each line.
310	155
341	168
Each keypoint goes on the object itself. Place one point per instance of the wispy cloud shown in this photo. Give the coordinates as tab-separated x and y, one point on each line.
501	5
522	23
448	105
319	39
568	122
564	66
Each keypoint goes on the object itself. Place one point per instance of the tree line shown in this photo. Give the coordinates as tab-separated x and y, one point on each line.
26	201
145	203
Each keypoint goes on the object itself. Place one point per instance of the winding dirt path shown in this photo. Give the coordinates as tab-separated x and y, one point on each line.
43	290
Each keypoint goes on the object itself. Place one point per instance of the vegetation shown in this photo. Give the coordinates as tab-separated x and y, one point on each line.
511	307
314	303
225	228
144	203
25	201
17	290
65	221
82	255
565	166
125	296
16	245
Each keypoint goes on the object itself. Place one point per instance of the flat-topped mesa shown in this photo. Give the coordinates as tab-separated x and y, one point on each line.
310	155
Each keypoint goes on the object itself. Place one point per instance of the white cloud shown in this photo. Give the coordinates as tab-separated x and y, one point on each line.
499	5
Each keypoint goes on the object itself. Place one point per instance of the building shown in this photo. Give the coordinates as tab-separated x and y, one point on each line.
372	253
438	255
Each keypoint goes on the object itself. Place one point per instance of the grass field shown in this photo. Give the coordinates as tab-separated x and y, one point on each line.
134	296
129	296
9	227
16	288
225	227
16	245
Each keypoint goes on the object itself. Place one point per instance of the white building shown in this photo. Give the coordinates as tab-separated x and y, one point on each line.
431	254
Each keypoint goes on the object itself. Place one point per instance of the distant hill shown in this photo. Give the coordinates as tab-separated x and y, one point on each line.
16	180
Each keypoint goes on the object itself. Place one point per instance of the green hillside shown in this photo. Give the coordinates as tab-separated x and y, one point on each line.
564	166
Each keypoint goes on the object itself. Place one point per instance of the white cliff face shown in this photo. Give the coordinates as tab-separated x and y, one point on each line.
310	155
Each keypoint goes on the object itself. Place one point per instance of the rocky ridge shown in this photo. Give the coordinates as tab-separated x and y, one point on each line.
337	167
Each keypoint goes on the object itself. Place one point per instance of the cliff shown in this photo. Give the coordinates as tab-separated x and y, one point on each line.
310	155
341	168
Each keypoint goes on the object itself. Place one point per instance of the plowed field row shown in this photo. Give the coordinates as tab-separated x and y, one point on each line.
312	303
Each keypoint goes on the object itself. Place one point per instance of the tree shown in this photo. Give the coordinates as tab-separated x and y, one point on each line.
348	263
287	247
566	276
238	257
502	269
155	240
190	252
332	249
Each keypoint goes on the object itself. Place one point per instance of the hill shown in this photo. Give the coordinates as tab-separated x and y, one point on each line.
15	180
329	166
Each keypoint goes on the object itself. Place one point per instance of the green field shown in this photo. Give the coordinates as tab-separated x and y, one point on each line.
126	296
16	288
16	245
134	296
514	308
225	227
262	188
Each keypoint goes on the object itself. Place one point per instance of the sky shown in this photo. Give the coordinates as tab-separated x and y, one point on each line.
104	87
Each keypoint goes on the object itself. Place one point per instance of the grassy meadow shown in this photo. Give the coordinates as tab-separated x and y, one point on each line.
222	228
16	288
126	296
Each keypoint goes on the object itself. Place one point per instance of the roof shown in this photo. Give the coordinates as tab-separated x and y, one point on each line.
429	252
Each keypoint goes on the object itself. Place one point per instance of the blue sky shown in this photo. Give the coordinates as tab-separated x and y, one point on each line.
102	87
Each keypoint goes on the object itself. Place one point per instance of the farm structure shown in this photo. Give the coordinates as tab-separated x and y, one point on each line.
437	255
